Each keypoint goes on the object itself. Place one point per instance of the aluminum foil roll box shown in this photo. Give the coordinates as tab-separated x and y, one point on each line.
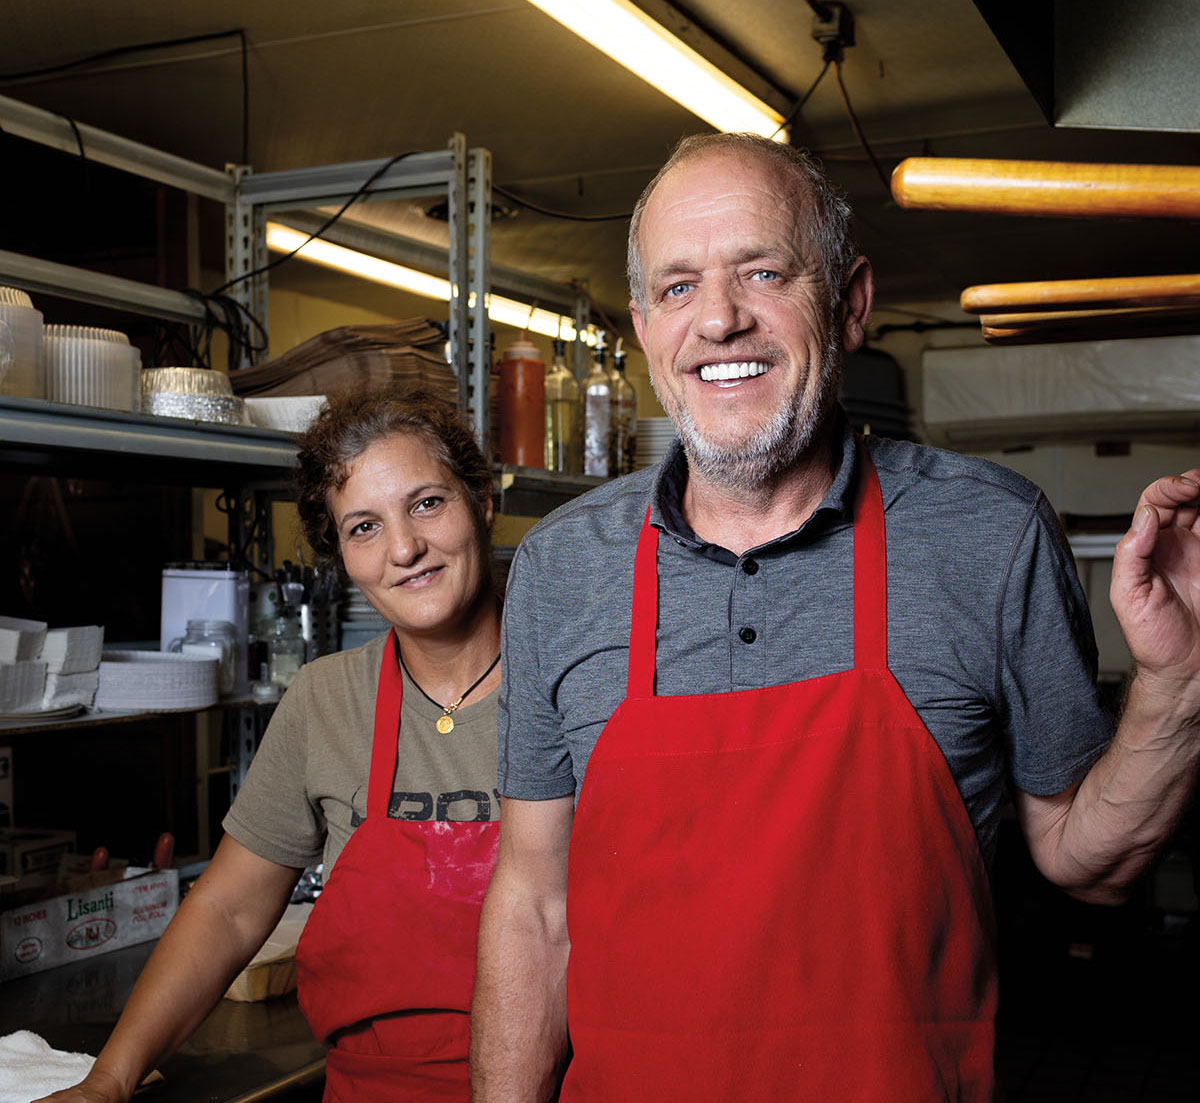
80	925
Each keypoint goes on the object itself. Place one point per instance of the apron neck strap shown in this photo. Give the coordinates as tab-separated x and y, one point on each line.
385	742
870	586
870	568
645	612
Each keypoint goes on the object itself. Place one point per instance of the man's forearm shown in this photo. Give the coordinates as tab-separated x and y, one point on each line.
519	1016
1132	799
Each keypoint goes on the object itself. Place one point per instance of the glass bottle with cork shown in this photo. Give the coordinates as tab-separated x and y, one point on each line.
624	417
562	415
597	414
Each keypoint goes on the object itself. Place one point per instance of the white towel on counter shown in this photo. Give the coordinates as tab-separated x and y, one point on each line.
30	1068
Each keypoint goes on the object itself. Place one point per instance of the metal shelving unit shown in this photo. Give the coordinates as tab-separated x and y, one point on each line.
253	464
463	176
33	430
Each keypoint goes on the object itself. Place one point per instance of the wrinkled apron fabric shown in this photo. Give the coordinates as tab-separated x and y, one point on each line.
386	963
777	894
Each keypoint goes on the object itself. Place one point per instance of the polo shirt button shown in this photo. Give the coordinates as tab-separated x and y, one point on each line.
750	566
747	634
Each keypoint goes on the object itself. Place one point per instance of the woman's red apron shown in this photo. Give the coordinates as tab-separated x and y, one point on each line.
386	964
776	894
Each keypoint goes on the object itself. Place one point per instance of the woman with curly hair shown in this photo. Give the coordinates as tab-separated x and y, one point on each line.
381	761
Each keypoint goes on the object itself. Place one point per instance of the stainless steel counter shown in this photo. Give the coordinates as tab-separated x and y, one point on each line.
242	1053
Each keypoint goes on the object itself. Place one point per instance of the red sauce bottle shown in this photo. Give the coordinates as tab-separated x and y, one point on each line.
522	406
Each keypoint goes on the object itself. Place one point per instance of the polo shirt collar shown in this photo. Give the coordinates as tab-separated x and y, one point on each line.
837	507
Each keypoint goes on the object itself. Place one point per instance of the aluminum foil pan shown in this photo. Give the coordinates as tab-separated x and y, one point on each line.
223	409
192	381
195	393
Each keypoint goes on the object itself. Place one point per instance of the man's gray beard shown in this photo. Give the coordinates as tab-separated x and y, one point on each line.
775	446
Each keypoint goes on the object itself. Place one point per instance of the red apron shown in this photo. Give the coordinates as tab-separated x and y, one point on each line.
776	894
386	963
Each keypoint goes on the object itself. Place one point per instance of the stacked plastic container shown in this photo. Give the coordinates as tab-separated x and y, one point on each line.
25	377
86	366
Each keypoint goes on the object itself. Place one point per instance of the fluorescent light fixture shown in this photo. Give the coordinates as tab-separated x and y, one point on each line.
509	312
647	49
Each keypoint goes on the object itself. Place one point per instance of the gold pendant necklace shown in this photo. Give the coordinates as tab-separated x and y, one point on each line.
445	722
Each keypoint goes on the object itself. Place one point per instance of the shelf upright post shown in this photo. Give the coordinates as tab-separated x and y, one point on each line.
246	252
479	285
582	318
459	253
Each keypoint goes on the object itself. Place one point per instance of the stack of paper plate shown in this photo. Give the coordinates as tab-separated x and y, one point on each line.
152	680
91	367
654	436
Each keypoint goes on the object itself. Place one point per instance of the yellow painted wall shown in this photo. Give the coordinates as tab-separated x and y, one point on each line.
306	300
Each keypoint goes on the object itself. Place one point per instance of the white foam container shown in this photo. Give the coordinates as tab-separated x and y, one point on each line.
291	413
21	639
73	650
21	686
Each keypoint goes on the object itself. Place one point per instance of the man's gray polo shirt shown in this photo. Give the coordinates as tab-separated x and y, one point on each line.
989	634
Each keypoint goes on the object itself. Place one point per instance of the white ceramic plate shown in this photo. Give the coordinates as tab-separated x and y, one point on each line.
44	714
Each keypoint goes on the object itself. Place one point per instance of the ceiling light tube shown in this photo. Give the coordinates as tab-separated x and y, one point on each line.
650	51
503	311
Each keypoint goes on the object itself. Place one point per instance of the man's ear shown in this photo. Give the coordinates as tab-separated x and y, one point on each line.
639	323
856	304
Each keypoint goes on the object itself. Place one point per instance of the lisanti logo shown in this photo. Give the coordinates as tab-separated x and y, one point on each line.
90	934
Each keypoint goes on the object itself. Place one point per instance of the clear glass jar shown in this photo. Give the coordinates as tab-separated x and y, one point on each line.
211	639
597	417
287	651
562	415
624	419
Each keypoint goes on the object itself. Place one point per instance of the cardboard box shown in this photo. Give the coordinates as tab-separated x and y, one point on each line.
81	925
29	850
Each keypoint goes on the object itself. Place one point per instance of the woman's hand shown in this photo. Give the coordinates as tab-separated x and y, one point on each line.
97	1087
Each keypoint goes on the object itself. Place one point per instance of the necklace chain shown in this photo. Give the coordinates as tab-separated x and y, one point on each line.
445	722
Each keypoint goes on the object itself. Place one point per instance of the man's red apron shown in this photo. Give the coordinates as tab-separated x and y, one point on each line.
776	894
386	964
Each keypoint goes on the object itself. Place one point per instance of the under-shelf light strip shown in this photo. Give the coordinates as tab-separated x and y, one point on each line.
646	48
504	311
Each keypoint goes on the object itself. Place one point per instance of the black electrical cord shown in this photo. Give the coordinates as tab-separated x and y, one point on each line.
161	44
240	326
802	100
362	190
560	214
859	131
244	332
259	518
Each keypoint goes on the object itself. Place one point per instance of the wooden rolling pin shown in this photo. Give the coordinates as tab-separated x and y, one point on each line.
1054	295
1123	316
1047	327
1050	188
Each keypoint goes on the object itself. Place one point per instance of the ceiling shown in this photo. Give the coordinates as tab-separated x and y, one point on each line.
571	130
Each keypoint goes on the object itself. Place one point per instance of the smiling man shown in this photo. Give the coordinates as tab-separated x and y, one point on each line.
762	704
